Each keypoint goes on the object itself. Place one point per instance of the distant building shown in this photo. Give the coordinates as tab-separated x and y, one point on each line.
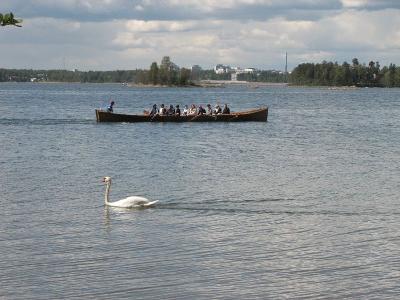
196	68
196	71
249	70
238	70
234	71
221	69
39	77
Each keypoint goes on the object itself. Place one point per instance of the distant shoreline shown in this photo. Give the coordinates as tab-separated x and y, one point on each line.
209	83
214	83
204	84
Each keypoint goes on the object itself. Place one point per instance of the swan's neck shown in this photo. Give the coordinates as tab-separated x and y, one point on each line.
108	187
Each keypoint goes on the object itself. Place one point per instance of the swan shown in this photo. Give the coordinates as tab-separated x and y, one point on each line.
129	202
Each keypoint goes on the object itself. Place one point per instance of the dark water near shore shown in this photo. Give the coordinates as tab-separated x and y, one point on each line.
303	206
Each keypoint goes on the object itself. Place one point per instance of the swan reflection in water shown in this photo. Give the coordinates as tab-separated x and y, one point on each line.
116	213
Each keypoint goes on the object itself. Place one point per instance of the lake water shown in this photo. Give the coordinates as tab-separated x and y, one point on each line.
303	206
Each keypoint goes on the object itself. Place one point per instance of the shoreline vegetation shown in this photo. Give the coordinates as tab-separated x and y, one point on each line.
346	75
168	74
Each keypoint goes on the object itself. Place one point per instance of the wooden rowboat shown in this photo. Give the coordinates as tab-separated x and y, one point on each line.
259	115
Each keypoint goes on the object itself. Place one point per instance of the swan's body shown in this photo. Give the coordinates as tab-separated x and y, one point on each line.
129	202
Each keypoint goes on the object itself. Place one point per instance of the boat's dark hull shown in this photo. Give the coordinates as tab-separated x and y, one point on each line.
259	115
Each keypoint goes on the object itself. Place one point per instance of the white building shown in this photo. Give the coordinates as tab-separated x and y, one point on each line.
249	70
221	69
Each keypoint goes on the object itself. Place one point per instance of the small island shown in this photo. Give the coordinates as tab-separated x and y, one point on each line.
346	75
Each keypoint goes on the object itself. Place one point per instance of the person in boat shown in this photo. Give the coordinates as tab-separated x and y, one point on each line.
110	107
226	109
154	110
162	111
185	110
201	110
209	109
171	110
217	110
177	110
192	111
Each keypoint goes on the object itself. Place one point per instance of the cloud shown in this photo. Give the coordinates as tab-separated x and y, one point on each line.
122	34
166	26
101	10
148	10
371	4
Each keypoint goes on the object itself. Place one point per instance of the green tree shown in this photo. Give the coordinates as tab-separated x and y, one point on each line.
8	19
184	76
153	75
348	79
390	76
169	72
165	70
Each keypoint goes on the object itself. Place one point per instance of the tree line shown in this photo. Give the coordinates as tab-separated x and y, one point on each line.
25	75
355	74
138	76
167	73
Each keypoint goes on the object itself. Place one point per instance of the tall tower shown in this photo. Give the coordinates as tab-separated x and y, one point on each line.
286	64
286	73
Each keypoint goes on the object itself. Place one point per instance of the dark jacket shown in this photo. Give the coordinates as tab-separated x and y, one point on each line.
226	110
201	111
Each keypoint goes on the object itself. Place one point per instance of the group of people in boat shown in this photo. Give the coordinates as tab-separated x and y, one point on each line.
193	110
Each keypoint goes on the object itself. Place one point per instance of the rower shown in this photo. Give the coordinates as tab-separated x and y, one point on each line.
110	107
226	110
154	110
177	110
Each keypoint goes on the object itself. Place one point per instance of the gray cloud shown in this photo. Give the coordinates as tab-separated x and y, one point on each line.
102	10
372	4
123	34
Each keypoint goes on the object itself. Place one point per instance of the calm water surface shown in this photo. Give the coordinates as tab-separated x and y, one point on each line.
303	206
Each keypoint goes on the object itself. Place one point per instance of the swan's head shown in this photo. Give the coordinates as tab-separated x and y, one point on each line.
106	179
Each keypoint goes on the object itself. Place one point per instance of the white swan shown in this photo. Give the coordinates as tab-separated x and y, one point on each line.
129	202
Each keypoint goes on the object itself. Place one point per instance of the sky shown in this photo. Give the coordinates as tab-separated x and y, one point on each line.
128	34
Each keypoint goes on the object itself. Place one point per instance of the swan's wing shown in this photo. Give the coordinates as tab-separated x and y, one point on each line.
136	199
133	201
125	203
150	203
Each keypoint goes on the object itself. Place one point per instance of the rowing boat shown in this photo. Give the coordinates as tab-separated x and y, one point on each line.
259	115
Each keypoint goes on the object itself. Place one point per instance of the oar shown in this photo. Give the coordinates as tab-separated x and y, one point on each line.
153	117
194	118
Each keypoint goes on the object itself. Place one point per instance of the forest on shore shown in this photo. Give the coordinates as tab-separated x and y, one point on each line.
168	73
356	74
